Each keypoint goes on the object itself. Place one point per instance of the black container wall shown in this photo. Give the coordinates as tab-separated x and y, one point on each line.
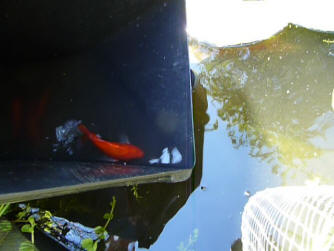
40	29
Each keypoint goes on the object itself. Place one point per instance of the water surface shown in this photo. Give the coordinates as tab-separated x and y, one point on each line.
271	124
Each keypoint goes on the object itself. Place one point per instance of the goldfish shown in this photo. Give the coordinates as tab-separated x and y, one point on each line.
118	151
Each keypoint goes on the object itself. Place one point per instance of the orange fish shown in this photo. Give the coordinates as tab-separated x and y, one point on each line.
118	151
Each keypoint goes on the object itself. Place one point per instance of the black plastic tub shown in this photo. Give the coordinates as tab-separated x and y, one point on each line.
128	84
41	29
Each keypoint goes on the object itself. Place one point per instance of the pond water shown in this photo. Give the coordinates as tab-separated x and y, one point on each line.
263	117
271	124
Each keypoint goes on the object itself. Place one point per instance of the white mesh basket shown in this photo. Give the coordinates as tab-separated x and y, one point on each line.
289	218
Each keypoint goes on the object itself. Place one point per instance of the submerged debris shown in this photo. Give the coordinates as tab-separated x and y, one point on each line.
68	234
247	193
66	134
204	188
168	157
75	232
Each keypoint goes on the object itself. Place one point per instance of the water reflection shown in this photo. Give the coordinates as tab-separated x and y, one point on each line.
275	99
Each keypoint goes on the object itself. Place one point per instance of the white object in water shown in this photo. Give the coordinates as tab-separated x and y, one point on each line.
176	156
154	161
289	218
165	156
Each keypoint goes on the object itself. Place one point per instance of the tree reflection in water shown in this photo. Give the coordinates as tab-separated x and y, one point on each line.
274	98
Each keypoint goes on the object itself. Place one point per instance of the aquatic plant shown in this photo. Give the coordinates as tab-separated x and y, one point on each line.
27	246
29	228
5	225
4	209
25	216
91	245
135	192
22	215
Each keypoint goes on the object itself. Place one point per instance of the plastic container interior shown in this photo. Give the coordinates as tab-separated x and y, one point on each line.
133	87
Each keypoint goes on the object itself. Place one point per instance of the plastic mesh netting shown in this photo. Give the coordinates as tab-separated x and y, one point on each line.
289	218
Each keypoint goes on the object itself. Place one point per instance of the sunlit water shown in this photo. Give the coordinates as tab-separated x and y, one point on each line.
269	122
272	104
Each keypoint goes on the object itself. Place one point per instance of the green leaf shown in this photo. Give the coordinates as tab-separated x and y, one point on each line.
112	202
47	214
26	228
106	216
5	226
95	245
4	209
105	235
88	244
27	246
31	220
21	215
99	230
46	229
